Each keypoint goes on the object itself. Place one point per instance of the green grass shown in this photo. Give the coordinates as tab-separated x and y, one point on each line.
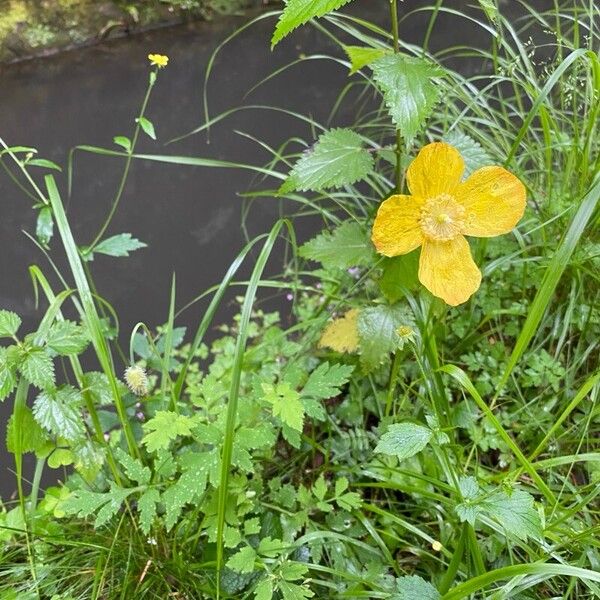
274	475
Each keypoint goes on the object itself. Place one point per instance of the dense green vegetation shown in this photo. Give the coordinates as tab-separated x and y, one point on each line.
412	434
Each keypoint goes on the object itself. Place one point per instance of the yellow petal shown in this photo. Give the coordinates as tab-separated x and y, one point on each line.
341	334
396	229
437	169
494	199
447	270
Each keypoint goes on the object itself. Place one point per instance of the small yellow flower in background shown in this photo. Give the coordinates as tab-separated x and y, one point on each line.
436	546
440	211
136	380
341	334
158	60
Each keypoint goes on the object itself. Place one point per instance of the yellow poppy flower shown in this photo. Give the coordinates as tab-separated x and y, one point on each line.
440	211
158	60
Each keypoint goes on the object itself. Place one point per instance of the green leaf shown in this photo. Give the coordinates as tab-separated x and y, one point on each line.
292	571
490	9
337	159
44	229
362	56
404	440
270	547
163	428
118	245
134	469
90	457
472	152
514	510
409	90
33	437
147	508
264	590
8	380
66	337
123	141
84	503
346	246
9	323
400	274
37	367
378	332
325	381
412	587
44	163
58	412
292	591
60	457
147	126
243	561
298	12
286	404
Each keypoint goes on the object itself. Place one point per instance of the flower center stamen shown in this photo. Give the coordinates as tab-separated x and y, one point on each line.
442	218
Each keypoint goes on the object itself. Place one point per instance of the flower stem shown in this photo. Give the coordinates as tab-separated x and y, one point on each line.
396	41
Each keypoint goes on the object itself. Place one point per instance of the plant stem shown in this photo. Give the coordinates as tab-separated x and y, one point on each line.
396	37
35	485
450	574
392	383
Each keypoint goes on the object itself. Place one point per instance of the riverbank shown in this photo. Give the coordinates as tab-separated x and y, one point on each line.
33	28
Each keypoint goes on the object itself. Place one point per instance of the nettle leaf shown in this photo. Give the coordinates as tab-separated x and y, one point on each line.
243	561
338	158
286	404
326	380
404	440
84	503
362	56
33	437
66	337
412	587
378	332
134	469
147	508
58	412
118	245
472	152
341	334
9	323
409	90
298	12
346	246
37	367
515	511
8	380
163	428
44	228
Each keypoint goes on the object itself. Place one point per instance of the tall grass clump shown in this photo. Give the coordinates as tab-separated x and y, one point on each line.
425	428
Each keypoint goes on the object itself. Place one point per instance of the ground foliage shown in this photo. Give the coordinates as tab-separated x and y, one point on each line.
380	444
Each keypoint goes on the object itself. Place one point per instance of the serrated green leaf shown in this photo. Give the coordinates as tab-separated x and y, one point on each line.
319	488
44	228
9	323
90	457
58	411
8	380
409	90
37	367
473	154
404	440
362	56
243	561
251	438
118	246
270	547
338	158
134	469
515	511
349	501
85	503
346	246
66	337
286	404
147	508
163	428
292	571
326	380
413	587
378	332
292	591
299	12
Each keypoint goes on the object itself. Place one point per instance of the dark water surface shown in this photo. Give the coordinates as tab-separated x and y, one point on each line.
188	216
